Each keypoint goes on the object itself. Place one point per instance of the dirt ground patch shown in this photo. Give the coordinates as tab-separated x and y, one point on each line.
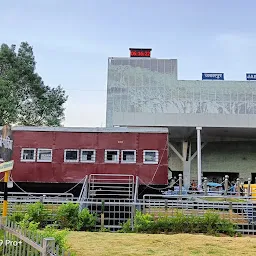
99	244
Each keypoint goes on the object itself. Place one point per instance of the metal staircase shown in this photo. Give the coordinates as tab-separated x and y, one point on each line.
106	186
98	187
83	194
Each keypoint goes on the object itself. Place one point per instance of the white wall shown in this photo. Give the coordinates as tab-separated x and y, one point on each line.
185	120
222	157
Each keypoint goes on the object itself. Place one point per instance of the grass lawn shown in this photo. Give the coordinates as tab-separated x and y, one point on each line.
96	244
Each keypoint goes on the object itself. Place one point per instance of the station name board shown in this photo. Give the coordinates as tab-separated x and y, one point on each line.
212	76
250	76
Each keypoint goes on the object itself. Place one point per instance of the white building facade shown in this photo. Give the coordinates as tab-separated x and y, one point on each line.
212	123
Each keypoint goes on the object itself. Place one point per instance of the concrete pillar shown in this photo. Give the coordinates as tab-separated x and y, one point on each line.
186	174
205	186
226	185
199	160
238	185
180	184
186	164
249	187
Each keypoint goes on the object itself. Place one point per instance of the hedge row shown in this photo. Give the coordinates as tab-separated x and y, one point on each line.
209	223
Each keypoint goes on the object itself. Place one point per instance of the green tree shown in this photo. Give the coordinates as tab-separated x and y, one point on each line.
24	98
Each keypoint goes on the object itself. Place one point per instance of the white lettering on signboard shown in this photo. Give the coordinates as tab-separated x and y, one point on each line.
217	76
251	76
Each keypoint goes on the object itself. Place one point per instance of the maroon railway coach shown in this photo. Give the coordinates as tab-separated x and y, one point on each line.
44	155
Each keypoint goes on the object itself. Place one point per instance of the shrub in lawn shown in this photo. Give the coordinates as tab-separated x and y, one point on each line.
67	216
209	223
143	222
27	224
126	227
38	213
86	220
35	212
60	236
17	217
226	227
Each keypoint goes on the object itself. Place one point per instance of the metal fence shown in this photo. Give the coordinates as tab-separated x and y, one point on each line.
112	213
237	210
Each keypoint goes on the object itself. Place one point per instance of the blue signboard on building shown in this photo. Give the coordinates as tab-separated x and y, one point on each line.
250	76
212	76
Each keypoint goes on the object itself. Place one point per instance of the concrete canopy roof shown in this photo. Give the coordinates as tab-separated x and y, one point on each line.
213	134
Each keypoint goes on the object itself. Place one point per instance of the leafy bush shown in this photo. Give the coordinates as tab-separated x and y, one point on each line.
58	235
86	220
209	223
38	213
226	227
27	224
17	217
67	216
126	227
143	222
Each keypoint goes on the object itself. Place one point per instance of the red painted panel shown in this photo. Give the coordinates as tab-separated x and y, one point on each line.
118	140
78	140
58	171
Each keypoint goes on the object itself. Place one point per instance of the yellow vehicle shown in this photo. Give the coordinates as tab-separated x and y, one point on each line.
252	192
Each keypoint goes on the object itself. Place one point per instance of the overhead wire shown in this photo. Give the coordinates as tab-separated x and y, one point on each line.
74	186
20	187
148	185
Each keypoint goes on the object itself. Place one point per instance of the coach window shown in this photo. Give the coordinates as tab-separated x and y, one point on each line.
44	155
111	156
28	154
88	155
71	155
150	157
128	156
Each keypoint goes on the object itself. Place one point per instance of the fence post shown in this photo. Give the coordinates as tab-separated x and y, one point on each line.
226	185
249	187
180	184
205	186
102	214
166	205
133	214
4	223
238	186
230	211
48	246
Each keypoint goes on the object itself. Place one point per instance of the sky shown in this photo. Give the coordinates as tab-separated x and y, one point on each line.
72	41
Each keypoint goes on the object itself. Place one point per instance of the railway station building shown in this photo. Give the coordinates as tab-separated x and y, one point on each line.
211	122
